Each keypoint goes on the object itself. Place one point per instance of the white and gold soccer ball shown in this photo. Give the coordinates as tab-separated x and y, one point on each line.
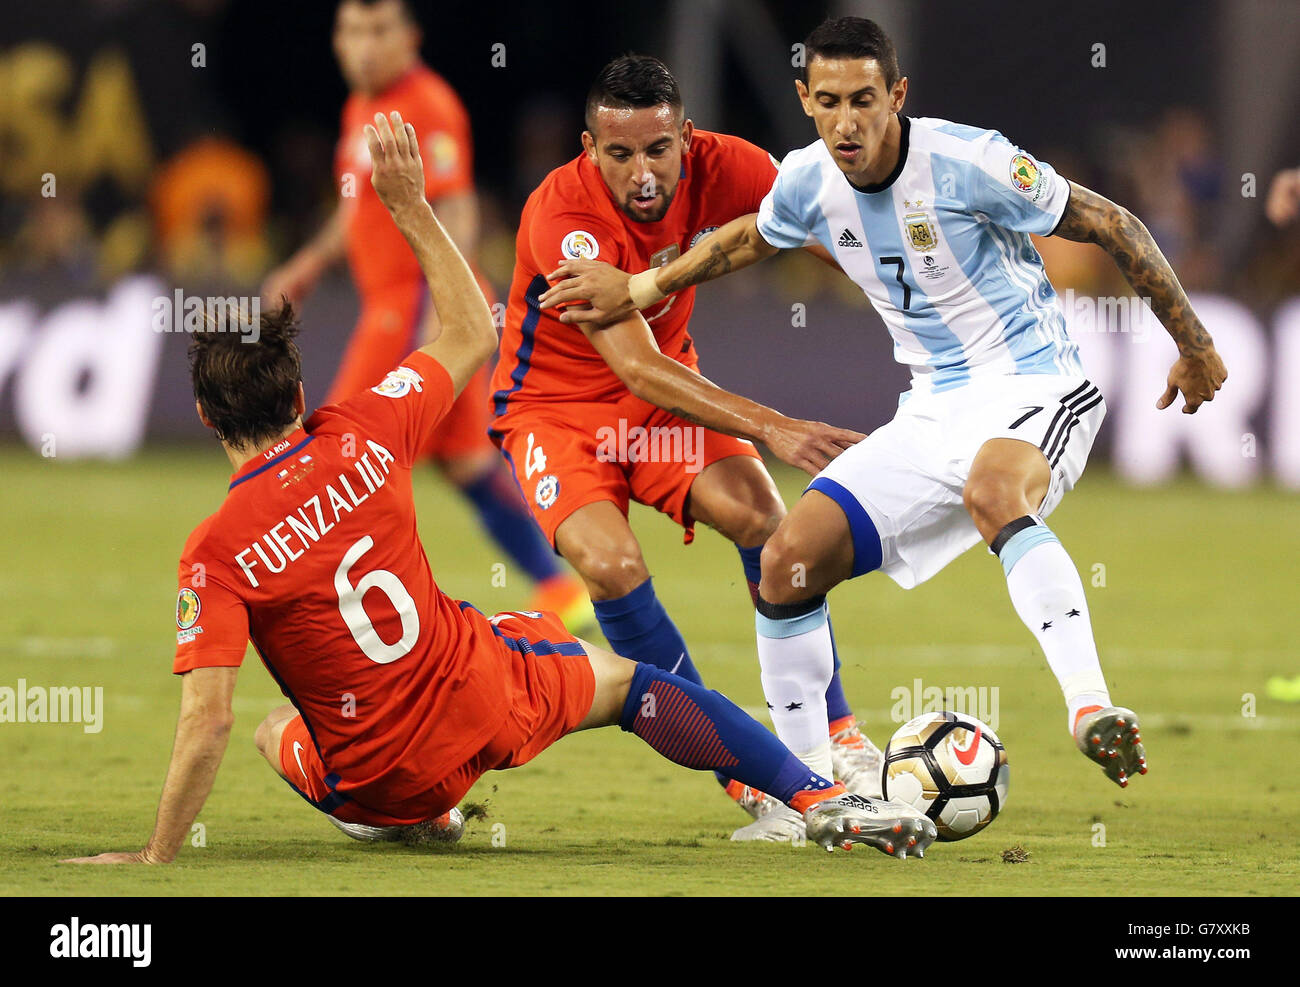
950	766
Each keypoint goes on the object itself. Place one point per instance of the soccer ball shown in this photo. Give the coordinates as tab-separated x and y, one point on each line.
950	766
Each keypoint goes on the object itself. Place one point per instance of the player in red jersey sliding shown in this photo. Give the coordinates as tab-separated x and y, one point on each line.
401	696
377	43
591	420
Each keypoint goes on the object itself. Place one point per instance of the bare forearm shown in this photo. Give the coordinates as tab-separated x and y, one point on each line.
200	744
1090	218
696	399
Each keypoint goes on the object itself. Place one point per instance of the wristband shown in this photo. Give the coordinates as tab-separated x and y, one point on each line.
643	291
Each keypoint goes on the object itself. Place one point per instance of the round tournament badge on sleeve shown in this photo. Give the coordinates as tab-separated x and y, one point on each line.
580	245
1025	173
187	609
398	383
702	234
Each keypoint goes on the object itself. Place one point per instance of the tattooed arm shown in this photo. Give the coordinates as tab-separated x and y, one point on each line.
1090	218
611	295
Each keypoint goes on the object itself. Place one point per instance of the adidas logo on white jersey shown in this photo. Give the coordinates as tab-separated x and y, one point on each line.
847	239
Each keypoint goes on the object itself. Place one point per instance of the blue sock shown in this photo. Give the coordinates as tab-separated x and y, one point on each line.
750	559
837	706
705	730
638	627
506	518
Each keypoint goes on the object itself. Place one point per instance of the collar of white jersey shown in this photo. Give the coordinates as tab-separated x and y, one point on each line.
905	125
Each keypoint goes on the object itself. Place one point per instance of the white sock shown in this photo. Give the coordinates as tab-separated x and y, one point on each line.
1048	595
796	661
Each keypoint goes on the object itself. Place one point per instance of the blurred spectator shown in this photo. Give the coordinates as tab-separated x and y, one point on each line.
209	204
1283	204
1177	176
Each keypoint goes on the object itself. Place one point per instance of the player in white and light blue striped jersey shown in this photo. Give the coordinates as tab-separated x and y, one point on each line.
941	248
931	220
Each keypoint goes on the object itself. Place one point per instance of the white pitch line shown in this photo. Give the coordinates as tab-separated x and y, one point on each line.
67	647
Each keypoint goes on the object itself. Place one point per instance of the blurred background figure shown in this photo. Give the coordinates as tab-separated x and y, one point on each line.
1283	204
210	208
377	43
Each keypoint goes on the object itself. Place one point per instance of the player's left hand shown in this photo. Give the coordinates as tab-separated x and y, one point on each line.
603	287
1198	377
396	172
111	858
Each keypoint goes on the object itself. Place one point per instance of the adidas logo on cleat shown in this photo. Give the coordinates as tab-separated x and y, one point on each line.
847	239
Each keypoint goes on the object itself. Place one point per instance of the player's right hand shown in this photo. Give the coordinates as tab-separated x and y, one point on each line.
396	171
809	446
602	287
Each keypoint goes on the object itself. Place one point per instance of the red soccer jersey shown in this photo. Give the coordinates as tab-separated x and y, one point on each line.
314	557
572	214
377	252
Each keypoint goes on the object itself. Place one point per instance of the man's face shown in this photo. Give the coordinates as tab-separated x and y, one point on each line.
851	106
375	45
639	154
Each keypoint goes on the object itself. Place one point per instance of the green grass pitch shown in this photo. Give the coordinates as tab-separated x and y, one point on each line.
1194	615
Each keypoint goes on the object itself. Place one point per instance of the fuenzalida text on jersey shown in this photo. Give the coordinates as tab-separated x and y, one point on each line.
941	248
318	514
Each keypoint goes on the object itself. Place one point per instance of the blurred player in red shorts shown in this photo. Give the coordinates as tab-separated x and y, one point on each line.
378	44
401	696
591	419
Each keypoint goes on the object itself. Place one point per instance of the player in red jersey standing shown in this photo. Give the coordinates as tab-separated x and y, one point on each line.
377	43
590	420
401	696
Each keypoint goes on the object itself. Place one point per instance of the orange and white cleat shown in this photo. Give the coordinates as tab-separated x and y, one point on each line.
756	803
1112	737
567	597
893	828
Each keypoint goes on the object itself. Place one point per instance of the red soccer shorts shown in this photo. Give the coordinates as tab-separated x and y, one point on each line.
551	686
568	455
390	327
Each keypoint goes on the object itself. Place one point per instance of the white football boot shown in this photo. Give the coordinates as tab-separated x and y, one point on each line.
756	803
891	827
1112	737
778	824
858	762
447	828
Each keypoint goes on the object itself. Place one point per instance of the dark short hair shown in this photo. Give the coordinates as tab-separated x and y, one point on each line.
852	37
246	383
404	5
632	82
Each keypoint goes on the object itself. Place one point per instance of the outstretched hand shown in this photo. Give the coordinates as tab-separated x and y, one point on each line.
809	446
397	173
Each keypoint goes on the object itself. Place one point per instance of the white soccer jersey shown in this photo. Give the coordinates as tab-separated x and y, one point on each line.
941	248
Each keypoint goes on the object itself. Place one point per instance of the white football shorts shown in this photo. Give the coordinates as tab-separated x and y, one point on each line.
906	478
